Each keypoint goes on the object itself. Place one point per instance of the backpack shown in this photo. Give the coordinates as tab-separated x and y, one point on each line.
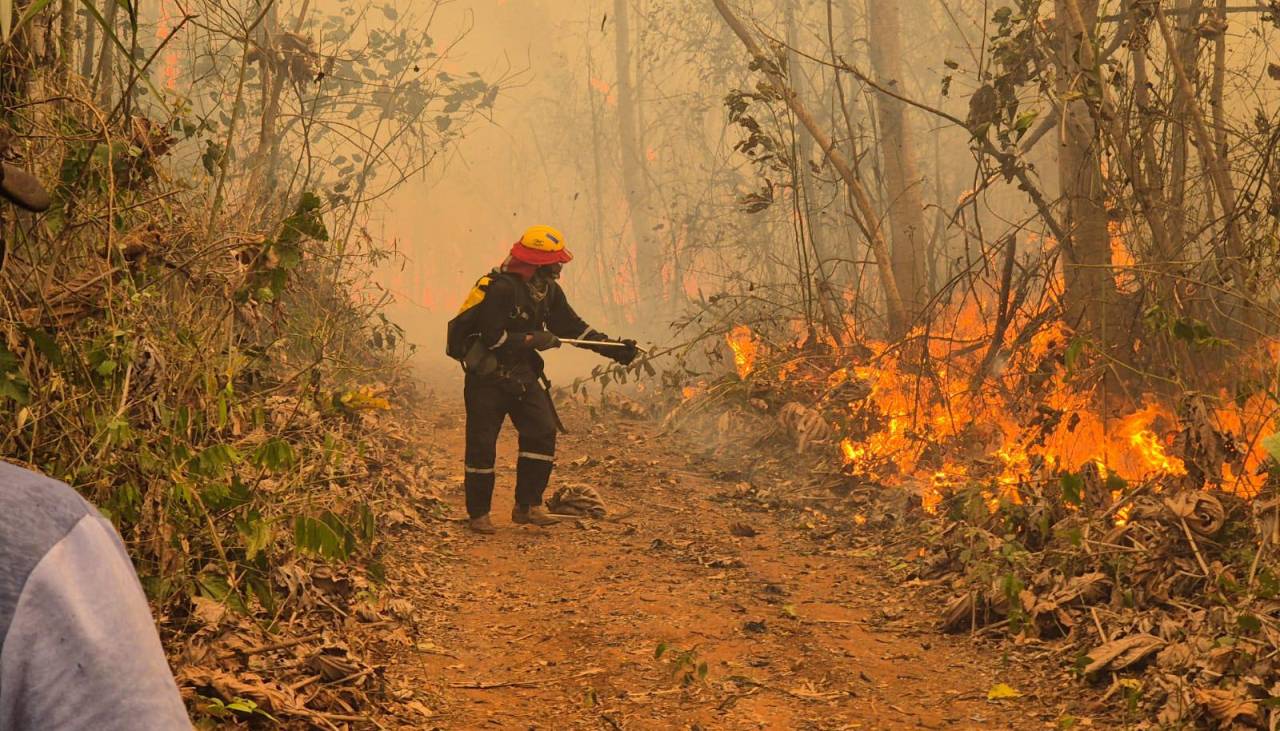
463	329
462	342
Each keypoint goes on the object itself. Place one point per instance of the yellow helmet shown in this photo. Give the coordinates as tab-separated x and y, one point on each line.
542	245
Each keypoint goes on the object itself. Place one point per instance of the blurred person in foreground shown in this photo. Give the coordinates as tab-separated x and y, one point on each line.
512	313
78	647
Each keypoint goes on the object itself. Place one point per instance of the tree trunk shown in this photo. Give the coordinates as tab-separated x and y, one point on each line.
272	83
1091	294
1188	50
648	254
1218	166
90	43
272	74
66	36
106	78
1219	81
902	182
600	275
806	186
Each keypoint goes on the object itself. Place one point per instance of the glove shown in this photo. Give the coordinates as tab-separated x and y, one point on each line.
626	355
543	340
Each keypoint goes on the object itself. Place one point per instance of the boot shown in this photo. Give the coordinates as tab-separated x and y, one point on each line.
482	525
532	515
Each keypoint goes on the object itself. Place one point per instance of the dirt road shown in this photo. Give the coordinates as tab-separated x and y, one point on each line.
561	628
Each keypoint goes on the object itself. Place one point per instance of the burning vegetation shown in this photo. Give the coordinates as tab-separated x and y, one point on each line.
899	418
1130	531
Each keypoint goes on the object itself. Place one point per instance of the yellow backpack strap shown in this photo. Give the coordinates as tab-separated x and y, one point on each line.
476	296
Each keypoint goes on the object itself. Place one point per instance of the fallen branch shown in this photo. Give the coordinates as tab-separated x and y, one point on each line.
803	695
526	683
1195	548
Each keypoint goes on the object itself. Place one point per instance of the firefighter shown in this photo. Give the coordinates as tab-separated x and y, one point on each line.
513	313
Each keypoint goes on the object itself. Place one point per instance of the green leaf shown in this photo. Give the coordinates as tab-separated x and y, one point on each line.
1024	122
368	524
319	536
660	650
216	587
275	455
341	530
1072	488
1116	483
1249	623
1268	584
13	384
1183	331
255	532
1272	445
305	222
261	588
247	707
1073	353
289	257
45	344
213	460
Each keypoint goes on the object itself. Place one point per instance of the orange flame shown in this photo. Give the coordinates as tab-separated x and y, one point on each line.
909	421
1146	445
745	348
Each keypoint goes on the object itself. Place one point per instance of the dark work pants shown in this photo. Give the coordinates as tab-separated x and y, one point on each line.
489	402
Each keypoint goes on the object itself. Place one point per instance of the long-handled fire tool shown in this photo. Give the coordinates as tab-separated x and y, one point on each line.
604	343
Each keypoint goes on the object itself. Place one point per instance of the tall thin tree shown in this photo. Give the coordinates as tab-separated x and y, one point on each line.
901	174
648	263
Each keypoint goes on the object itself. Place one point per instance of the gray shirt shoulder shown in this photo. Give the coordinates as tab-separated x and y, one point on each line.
78	649
35	513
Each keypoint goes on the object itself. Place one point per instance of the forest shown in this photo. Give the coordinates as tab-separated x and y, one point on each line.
957	399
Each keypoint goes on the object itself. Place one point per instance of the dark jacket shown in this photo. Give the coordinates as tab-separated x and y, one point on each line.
510	311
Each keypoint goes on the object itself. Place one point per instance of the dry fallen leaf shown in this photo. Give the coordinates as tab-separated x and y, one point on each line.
271	696
1202	511
420	708
1122	653
210	612
1228	705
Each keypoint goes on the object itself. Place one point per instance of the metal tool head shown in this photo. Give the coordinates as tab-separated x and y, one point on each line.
601	343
